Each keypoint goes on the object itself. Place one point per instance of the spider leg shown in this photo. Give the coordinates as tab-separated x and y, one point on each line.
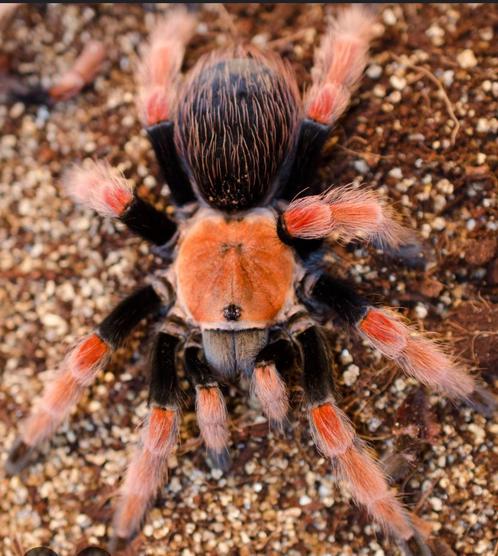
107	191
339	64
158	78
335	437
210	407
267	382
148	466
385	330
77	372
347	214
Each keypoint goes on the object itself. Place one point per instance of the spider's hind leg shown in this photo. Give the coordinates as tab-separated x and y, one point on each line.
148	466
210	407
77	372
335	437
267	380
158	79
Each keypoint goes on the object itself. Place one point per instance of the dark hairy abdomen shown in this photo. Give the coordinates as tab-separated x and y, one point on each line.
237	117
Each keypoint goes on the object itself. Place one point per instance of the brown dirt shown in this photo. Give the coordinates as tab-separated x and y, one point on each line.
62	268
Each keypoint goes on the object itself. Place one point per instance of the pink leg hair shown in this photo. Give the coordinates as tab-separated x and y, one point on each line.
348	213
99	187
146	471
160	65
212	418
271	392
417	355
64	392
339	64
83	72
335	438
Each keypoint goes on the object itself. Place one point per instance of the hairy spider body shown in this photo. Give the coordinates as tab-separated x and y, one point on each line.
247	283
236	121
247	287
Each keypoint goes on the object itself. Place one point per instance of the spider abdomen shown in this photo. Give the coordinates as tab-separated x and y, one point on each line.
237	117
234	274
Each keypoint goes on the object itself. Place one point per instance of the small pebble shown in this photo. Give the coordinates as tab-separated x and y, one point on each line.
351	374
436	504
374	71
467	59
471	224
420	311
398	83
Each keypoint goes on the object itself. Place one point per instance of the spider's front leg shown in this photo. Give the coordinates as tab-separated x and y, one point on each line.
107	191
148	466
158	79
335	436
78	371
346	214
386	331
338	67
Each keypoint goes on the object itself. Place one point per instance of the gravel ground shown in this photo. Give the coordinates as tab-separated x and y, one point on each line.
422	128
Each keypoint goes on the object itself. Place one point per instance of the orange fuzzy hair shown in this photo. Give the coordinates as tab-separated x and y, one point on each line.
418	356
83	72
339	64
99	187
347	212
161	63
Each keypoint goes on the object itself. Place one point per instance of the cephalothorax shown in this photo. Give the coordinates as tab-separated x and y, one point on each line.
246	286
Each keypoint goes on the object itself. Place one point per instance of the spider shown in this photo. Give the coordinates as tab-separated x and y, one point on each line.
246	289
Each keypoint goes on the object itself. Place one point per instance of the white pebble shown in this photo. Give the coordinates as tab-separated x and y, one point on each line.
304	500
374	71
361	166
445	186
421	311
51	320
389	17
448	77
398	83
482	125
396	173
436	504
439	223
471	224
345	357
351	375
467	59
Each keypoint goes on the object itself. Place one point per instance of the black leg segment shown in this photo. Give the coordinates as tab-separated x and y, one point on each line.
312	138
325	294
161	137
198	371
317	365
146	221
121	321
163	388
279	351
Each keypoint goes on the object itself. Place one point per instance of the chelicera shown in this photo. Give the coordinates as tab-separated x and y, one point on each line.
246	288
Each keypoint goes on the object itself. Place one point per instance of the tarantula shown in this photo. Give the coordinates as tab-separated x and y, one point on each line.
246	288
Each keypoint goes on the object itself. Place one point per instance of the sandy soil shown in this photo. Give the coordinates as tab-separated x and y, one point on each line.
422	128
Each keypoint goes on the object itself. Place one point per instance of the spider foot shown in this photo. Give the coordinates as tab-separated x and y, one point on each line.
412	255
19	457
483	401
219	460
119	545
